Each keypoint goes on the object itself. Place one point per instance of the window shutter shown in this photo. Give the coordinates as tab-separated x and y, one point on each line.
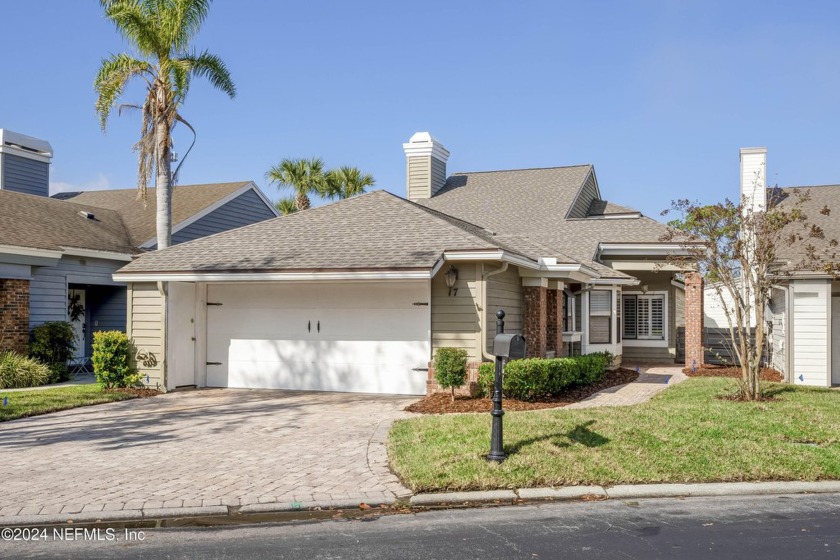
599	329
599	302
629	316
656	316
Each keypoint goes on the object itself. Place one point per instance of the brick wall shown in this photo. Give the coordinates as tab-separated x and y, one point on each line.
14	315
693	319
469	388
535	320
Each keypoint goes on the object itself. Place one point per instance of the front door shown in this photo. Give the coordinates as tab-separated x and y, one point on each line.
76	315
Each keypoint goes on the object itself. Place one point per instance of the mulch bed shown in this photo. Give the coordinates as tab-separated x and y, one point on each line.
135	391
708	370
441	403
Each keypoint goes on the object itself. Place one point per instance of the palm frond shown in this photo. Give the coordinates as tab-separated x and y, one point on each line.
302	176
186	20
211	67
286	206
137	21
347	181
114	74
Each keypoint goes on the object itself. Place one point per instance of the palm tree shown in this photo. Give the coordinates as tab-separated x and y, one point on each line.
302	176
160	32
286	206
346	181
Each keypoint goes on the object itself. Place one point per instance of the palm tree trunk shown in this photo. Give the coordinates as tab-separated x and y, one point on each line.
163	186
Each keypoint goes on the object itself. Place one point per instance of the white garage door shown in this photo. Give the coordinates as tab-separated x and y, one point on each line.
362	337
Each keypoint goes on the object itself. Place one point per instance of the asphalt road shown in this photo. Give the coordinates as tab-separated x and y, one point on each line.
797	527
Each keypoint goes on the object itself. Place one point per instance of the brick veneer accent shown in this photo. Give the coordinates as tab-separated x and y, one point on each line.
561	311
551	321
469	388
14	315
535	320
693	319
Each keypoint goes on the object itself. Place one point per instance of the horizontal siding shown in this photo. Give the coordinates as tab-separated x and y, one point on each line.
588	193
455	318
504	291
145	324
418	177
811	326
778	319
438	175
25	175
248	208
48	289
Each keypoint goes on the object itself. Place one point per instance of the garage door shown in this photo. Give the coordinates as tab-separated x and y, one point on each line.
357	337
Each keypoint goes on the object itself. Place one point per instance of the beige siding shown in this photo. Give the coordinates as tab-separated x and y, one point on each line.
438	175
777	336
146	320
588	193
455	318
504	291
419	175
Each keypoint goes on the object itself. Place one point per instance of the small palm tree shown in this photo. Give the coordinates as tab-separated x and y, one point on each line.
303	176
286	206
160	32
346	181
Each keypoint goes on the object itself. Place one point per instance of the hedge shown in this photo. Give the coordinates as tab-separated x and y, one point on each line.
112	360
18	371
535	378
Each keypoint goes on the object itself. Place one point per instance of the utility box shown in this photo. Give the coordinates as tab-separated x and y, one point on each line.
510	346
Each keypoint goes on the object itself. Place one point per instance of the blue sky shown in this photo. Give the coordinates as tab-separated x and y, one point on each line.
658	95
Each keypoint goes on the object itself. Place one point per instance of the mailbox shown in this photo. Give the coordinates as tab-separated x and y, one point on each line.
511	346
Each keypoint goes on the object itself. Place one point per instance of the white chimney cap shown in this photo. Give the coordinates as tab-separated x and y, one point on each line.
25	146
424	144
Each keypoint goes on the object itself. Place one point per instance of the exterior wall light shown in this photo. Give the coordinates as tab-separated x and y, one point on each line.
451	277
644	288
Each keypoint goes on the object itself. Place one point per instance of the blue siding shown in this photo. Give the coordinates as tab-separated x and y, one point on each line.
25	175
248	208
107	311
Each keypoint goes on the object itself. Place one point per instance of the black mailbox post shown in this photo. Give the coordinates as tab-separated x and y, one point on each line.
505	347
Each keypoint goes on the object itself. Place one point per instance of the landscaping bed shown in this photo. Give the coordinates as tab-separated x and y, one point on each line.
441	403
684	434
709	370
20	404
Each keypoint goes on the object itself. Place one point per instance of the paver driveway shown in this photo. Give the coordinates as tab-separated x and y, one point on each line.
200	448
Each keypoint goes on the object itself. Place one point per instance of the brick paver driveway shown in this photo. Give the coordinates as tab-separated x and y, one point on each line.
200	448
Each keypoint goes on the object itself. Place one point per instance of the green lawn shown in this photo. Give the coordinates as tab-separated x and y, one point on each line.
683	435
31	403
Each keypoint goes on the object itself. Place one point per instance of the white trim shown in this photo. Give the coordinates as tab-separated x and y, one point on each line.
580	189
270	276
664	342
678	285
215	206
535	282
30	252
614	282
93	254
616	216
43	151
662	249
423	144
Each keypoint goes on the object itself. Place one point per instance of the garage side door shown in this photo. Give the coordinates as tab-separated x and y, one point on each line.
362	337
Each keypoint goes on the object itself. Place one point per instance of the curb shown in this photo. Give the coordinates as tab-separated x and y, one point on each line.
445	499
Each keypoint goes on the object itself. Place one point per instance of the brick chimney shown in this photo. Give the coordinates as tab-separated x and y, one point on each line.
425	166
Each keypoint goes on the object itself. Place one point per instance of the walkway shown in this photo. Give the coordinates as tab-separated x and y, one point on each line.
652	380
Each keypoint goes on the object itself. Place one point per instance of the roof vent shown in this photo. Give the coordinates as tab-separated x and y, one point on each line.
86	215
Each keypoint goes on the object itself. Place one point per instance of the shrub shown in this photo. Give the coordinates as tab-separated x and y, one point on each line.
451	368
535	378
112	360
18	371
53	344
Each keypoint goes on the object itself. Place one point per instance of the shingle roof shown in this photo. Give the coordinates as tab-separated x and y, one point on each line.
43	223
187	200
373	231
811	200
533	203
604	208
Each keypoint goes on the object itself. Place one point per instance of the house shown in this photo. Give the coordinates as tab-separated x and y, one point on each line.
804	311
58	255
358	295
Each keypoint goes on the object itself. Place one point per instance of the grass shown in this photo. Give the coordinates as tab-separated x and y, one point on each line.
31	403
685	434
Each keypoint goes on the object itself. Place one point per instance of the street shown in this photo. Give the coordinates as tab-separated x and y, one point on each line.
801	526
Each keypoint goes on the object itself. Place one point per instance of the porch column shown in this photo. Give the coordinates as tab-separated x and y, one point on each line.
14	315
556	311
535	315
694	340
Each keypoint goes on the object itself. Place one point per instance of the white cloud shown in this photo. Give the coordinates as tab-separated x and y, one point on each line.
101	183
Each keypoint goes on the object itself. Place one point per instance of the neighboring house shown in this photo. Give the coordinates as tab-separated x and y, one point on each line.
357	295
804	310
58	255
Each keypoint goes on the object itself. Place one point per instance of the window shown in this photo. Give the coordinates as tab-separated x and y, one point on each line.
600	320
568	311
644	316
578	313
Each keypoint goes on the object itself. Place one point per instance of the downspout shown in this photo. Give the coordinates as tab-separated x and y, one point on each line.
483	326
163	289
